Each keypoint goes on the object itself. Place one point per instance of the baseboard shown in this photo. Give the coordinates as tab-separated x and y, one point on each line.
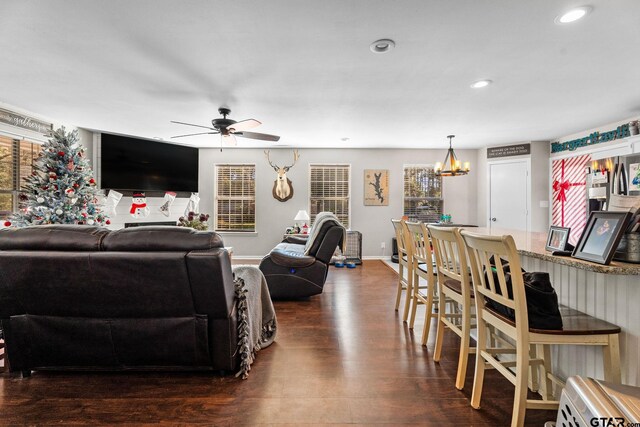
380	257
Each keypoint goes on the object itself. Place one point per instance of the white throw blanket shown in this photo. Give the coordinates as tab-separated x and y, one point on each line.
321	218
256	316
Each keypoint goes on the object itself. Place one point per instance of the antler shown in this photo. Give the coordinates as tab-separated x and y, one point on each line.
296	156
275	167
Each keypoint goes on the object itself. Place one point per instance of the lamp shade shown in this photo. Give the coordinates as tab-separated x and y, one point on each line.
302	216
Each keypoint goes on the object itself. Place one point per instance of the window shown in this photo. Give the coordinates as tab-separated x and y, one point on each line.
235	204
422	194
16	163
329	190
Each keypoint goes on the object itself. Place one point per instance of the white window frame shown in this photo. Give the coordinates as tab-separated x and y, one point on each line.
348	165
17	186
424	166
215	199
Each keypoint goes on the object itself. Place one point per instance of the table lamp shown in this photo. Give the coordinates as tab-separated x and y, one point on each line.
302	216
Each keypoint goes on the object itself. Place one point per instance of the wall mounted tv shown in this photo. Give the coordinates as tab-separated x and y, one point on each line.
133	164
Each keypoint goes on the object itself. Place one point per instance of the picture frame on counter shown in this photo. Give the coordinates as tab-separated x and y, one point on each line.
557	238
601	236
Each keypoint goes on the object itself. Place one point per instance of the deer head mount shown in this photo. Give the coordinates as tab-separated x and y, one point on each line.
282	186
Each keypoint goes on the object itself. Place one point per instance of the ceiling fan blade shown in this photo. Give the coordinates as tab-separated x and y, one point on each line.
193	134
244	124
191	124
230	139
255	135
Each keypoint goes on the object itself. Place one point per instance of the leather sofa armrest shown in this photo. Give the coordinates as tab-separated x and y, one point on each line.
295	239
291	259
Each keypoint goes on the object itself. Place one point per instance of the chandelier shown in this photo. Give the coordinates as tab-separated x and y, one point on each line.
451	165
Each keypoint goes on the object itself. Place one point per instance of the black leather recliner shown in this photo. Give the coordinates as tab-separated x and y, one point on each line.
291	273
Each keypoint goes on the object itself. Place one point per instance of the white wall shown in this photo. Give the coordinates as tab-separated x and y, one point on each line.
373	222
540	203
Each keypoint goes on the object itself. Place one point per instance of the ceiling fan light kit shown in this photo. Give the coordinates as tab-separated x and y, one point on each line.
451	165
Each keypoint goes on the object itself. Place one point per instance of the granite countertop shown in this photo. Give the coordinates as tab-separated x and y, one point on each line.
533	245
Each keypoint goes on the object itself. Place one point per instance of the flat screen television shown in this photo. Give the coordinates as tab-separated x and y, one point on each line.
133	164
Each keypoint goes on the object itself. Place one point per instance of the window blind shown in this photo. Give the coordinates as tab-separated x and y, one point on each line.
329	190
16	163
235	198
422	199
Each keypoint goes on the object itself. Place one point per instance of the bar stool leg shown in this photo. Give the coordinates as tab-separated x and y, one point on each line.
414	302
408	296
428	315
463	358
611	359
440	327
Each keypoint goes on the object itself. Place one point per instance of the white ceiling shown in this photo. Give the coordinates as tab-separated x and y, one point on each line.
304	68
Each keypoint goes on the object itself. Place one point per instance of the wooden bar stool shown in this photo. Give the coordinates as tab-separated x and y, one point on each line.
405	258
454	287
417	236
578	328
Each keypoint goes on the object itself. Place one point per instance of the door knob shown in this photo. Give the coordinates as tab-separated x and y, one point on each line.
493	219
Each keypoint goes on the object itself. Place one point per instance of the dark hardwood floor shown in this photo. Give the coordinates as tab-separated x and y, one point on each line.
344	357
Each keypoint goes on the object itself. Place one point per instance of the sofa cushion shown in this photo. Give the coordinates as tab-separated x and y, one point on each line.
161	238
291	255
52	238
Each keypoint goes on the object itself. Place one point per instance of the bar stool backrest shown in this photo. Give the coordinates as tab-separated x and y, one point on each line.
451	259
481	248
418	238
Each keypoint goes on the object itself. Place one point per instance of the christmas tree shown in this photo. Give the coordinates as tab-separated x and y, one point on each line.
61	189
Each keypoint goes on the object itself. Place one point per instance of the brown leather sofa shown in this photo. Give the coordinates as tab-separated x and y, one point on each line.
83	297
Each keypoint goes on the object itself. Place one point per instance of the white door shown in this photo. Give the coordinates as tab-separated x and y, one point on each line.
508	195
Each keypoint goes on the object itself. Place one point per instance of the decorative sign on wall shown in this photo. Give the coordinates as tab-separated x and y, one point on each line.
376	187
595	138
508	150
24	122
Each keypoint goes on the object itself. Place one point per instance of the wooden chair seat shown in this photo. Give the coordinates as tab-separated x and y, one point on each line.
456	286
574	322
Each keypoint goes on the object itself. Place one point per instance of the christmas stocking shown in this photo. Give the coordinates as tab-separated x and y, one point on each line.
192	205
112	201
169	197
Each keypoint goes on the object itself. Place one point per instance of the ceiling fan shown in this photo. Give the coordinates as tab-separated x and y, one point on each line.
229	129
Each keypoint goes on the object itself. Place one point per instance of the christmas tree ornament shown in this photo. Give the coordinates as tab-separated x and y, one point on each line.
48	196
139	207
193	204
113	198
165	208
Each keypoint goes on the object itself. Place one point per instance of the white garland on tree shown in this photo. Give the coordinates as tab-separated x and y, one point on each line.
61	188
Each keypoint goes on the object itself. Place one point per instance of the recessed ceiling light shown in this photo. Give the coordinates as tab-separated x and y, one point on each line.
573	15
481	83
382	46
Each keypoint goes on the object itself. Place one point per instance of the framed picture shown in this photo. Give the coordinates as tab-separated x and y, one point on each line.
634	177
376	187
601	236
557	238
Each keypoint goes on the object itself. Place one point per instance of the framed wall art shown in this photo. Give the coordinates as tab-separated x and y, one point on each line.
376	187
601	236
